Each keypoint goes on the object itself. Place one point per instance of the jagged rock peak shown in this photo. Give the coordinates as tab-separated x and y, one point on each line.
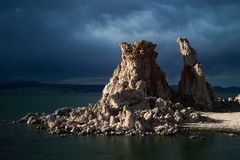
193	83
188	53
138	49
138	76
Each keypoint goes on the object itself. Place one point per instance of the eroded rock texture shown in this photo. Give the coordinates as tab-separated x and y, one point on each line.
193	83
164	118
138	76
135	101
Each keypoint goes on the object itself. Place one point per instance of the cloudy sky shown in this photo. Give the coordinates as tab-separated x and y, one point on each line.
76	41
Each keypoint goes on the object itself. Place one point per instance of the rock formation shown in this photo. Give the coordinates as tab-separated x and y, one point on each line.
165	118
135	101
237	99
138	76
193	83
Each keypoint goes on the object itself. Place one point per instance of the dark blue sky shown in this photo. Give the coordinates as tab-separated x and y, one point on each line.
76	41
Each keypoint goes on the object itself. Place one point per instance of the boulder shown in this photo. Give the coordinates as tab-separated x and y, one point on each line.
127	117
112	121
237	99
63	111
139	126
32	120
148	115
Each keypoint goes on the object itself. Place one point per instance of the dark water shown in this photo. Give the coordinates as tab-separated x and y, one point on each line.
18	141
14	106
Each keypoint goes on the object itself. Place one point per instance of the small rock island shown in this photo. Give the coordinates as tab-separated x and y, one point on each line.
138	100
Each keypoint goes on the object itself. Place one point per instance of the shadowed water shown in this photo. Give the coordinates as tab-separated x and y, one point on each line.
16	105
18	141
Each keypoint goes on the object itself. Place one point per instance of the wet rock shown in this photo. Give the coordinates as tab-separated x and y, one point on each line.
231	135
193	137
32	120
26	118
62	111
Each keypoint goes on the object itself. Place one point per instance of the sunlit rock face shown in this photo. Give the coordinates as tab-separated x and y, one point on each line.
136	101
193	83
237	99
138	76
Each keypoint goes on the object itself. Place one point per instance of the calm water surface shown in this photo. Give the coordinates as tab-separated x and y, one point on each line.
14	106
18	141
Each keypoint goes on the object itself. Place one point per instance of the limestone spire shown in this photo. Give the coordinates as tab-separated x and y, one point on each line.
193	82
138	75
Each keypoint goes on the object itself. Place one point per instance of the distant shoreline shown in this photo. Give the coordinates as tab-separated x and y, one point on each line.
66	88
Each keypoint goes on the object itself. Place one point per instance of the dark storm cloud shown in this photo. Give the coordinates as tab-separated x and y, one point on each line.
70	40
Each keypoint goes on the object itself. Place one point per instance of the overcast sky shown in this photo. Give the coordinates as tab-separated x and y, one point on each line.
76	41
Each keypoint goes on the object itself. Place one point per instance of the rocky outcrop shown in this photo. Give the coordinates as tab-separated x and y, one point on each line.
164	118
136	101
193	85
138	76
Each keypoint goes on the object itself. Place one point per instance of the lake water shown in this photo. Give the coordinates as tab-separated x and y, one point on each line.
21	142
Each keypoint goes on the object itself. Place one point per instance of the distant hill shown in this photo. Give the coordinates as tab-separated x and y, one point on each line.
38	86
217	89
226	89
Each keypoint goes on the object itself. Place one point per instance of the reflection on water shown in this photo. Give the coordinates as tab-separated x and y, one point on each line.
18	141
21	142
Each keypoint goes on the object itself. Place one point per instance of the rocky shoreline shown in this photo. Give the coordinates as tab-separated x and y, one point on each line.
165	118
